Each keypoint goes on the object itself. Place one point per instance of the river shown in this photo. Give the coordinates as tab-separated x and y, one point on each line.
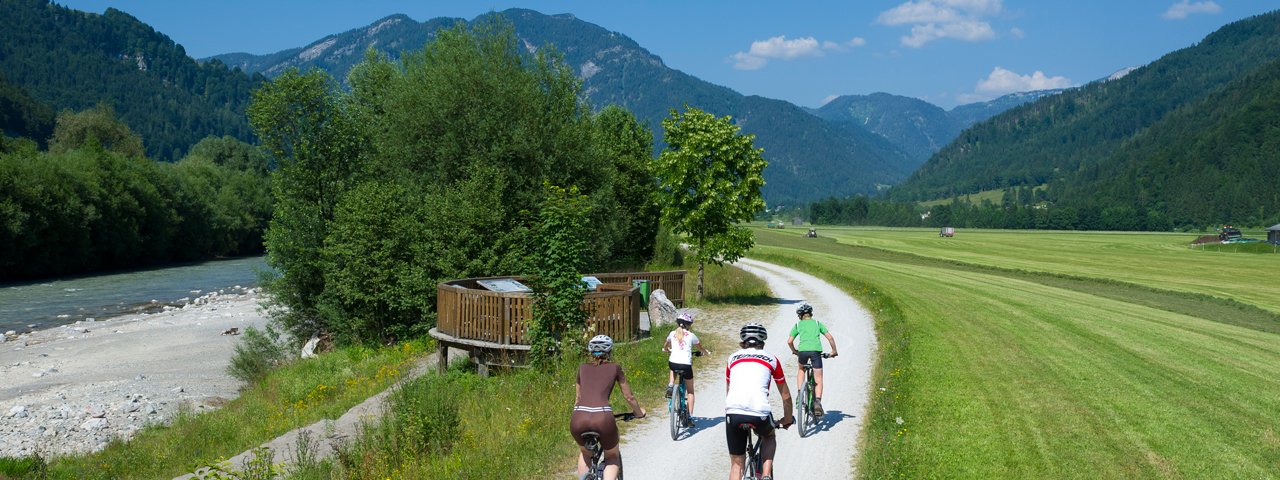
51	303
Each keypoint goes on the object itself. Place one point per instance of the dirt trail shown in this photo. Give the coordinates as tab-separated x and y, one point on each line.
649	453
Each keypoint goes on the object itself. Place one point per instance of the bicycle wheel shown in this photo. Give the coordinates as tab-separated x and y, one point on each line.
802	409
677	398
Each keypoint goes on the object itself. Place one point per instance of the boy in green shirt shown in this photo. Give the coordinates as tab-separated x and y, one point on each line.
810	331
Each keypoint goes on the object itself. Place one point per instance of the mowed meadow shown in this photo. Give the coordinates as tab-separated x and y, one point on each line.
1058	355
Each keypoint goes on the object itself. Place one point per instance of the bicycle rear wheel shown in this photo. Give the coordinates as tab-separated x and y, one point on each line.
802	410
677	399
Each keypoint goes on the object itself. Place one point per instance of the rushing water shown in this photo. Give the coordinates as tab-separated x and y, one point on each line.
56	302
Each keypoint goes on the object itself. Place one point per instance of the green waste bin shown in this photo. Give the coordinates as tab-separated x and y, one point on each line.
644	291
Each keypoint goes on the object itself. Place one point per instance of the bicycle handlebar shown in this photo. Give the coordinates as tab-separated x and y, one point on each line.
626	417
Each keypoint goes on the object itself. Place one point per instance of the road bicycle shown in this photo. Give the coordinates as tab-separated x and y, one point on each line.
591	441
805	417
754	467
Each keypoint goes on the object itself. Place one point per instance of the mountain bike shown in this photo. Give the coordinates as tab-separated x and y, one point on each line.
804	408
591	441
678	408
754	467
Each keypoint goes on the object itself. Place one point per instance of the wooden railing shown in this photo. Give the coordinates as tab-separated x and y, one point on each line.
467	311
671	282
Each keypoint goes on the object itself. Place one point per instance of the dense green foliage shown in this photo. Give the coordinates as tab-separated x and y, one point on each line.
560	250
432	168
67	59
22	116
710	177
90	204
809	157
1186	141
1028	354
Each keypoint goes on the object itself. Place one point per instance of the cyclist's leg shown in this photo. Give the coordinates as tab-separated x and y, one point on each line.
768	445
817	378
612	463
688	390
736	440
582	461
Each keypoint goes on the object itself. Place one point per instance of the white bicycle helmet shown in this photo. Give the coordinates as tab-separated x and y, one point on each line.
685	317
600	345
754	333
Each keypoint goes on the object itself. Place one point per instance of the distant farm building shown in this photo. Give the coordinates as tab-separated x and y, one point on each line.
1273	234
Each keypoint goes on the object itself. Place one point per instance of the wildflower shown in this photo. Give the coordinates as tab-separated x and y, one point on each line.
899	420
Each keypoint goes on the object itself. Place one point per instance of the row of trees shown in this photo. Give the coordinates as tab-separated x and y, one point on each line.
436	167
472	158
94	202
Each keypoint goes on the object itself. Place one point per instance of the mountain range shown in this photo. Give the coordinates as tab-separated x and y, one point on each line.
60	59
810	156
1191	135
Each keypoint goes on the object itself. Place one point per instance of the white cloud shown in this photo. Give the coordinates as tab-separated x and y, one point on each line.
782	49
936	19
1017	32
744	61
1002	82
1181	10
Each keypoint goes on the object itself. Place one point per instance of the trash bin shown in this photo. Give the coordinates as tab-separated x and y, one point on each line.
644	291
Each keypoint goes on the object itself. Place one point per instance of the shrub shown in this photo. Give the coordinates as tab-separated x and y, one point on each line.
258	352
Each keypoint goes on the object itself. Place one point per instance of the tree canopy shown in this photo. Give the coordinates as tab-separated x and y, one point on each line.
710	177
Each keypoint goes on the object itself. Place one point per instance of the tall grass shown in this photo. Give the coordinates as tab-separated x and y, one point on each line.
294	395
726	284
985	373
514	425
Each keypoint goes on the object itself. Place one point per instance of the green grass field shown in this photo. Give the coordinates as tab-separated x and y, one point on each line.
1059	355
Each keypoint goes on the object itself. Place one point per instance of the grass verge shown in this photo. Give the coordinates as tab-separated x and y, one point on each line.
988	373
294	395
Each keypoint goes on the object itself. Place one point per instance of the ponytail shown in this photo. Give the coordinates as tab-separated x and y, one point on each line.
681	332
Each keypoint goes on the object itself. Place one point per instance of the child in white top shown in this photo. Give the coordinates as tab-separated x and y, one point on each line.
681	343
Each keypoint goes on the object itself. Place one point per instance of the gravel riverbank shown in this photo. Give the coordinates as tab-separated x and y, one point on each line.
73	388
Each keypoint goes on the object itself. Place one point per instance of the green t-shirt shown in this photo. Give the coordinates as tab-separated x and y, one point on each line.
809	333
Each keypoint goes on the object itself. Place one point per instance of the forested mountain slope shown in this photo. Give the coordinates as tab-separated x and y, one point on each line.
68	59
1065	139
809	158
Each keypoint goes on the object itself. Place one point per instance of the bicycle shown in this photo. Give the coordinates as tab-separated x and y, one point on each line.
804	411
591	441
754	466
678	406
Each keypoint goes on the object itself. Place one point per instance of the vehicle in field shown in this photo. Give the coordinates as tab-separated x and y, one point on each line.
1229	233
947	232
776	224
813	233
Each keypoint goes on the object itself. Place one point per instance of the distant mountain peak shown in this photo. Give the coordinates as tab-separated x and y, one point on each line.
1121	73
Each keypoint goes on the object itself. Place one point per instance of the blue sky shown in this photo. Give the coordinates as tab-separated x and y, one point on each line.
947	52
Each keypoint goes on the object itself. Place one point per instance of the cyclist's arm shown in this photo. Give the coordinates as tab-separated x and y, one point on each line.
785	392
832	341
791	342
666	346
631	397
577	394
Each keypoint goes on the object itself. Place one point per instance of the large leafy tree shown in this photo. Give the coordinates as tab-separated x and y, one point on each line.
710	177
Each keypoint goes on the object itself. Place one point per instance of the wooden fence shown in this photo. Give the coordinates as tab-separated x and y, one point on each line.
467	311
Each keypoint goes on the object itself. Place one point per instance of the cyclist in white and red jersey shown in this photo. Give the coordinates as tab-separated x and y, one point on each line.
748	375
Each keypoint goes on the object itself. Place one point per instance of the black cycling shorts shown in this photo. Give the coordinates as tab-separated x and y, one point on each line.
816	357
682	370
736	435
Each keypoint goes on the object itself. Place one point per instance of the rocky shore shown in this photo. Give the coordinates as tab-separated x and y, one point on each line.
72	389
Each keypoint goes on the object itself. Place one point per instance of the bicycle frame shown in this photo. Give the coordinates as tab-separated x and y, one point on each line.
678	407
591	441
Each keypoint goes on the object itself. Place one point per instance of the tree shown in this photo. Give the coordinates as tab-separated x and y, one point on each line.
98	125
560	252
709	180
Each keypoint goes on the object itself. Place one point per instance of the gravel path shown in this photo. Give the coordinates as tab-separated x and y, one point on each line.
73	388
648	451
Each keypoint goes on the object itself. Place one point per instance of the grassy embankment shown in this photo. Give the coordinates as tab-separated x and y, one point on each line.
456	425
295	395
1059	355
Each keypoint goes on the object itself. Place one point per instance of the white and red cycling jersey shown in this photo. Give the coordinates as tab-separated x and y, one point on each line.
749	373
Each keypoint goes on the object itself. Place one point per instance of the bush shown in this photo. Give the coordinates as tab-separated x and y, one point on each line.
257	354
